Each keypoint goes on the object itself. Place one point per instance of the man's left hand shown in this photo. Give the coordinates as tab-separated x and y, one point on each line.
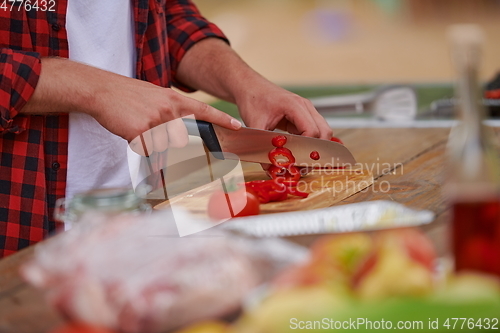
268	106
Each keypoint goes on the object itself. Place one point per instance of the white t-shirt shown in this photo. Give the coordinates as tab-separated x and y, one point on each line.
100	34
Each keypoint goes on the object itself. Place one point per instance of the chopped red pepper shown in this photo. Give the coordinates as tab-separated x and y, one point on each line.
314	155
281	157
294	191
279	141
285	175
268	190
274	190
290	174
334	139
276	171
293	173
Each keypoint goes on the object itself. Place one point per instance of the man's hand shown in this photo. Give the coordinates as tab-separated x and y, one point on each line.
124	106
268	106
211	65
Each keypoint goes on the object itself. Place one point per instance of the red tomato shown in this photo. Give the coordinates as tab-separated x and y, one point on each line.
334	139
242	203
81	328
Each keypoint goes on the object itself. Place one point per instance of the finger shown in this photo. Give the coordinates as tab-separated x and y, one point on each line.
208	113
291	128
147	143
142	144
177	133
325	131
160	137
303	122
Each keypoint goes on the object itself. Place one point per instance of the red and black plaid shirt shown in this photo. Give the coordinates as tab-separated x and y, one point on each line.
33	149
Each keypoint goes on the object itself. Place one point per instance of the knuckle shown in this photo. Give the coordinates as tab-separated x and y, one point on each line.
154	120
294	97
205	108
315	133
170	93
308	103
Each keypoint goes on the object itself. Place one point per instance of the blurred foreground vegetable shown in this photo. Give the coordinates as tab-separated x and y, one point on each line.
382	282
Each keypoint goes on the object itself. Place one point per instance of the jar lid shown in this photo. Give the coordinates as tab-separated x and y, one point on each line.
107	198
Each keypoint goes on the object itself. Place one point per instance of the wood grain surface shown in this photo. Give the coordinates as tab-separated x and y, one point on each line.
325	188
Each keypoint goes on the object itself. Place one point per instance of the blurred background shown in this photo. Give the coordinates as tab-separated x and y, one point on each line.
304	43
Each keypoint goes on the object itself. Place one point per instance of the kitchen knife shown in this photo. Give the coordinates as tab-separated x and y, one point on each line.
253	145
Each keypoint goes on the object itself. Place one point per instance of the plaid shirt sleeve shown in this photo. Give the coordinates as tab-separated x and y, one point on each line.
19	73
185	27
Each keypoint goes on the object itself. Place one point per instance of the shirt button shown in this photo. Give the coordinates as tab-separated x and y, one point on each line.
56	27
55	166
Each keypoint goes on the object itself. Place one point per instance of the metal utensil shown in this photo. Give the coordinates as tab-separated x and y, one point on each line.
446	108
363	216
253	145
395	102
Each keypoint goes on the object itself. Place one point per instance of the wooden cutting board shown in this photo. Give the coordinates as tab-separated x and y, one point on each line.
325	188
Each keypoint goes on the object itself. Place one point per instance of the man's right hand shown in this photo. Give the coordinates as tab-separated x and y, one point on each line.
126	107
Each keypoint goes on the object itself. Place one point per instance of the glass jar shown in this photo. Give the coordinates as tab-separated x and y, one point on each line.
107	201
473	187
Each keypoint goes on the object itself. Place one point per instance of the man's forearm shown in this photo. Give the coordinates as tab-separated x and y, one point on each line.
126	107
64	86
54	92
214	67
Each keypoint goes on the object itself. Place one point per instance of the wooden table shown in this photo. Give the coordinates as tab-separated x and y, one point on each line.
407	164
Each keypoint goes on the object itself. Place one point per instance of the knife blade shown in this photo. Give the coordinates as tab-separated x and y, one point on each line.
253	145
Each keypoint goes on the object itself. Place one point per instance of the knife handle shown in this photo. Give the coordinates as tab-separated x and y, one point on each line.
206	132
